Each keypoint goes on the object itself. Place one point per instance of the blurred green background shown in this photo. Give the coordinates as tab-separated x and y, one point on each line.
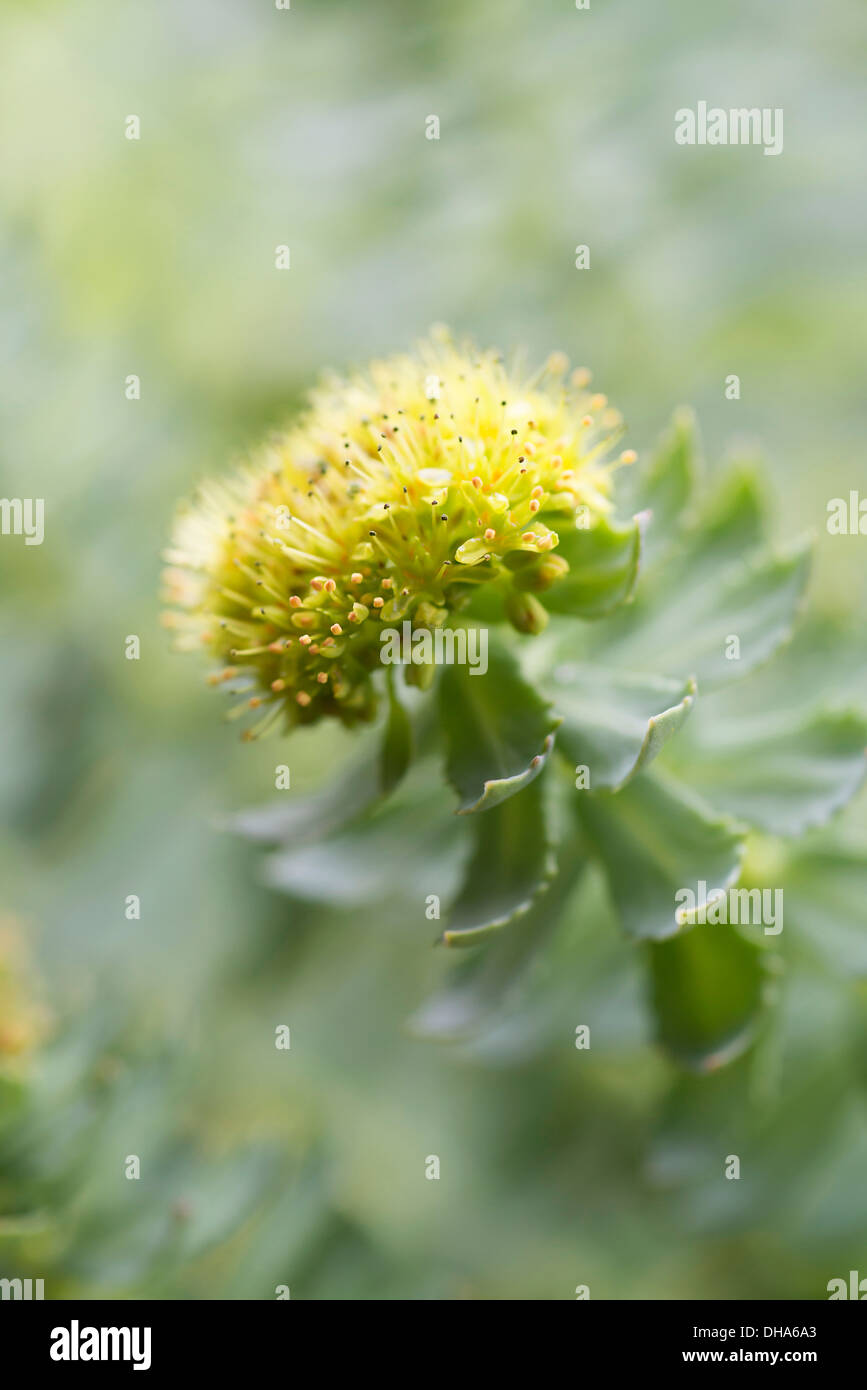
156	257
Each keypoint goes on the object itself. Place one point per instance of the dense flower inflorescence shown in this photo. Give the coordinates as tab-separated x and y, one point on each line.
399	492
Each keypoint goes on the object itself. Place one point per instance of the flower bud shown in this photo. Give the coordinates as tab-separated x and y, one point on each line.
541	574
525	612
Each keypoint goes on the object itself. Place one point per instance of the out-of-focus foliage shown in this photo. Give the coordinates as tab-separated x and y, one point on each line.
156	257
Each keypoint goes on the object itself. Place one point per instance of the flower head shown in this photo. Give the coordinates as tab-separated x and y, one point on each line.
400	491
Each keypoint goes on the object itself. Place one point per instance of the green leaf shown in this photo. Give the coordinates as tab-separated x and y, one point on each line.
479	985
717	584
603	568
13	1099
511	863
708	986
385	854
728	524
664	487
371	777
780	749
701	1112
614	722
297	819
784	774
826	892
190	1205
222	1194
731	524
790	1094
397	741
689	632
287	1232
653	839
499	731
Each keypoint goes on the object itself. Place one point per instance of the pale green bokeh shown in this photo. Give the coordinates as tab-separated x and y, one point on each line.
156	257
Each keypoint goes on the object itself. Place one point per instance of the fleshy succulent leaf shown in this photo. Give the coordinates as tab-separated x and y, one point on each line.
719	582
511	863
614	722
356	863
708	986
318	813
731	524
790	1093
755	602
654	838
784	749
665	485
499	731
784	773
826	890
483	980
603	564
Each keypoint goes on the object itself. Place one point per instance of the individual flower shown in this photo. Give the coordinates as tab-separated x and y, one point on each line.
400	492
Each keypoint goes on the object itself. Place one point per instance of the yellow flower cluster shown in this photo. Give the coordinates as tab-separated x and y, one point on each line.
398	493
